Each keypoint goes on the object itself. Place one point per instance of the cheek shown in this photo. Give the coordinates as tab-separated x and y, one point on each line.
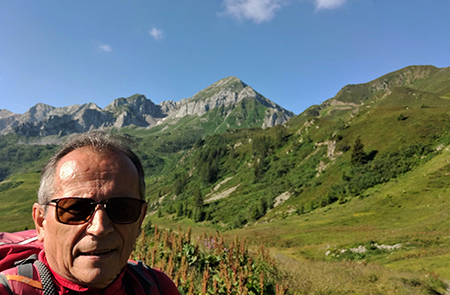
129	235
59	241
58	249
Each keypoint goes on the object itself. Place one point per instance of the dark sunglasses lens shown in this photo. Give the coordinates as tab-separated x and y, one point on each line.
74	211
123	210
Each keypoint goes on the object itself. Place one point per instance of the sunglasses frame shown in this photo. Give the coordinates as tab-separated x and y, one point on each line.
93	205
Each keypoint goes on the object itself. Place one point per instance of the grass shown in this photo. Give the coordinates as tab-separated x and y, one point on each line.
17	201
318	277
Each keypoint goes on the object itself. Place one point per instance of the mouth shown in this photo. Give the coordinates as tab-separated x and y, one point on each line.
96	253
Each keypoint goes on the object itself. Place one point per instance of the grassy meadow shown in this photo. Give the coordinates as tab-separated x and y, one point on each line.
18	194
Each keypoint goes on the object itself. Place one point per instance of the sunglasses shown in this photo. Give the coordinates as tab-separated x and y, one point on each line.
75	211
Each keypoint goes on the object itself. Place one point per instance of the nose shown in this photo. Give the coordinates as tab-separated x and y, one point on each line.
100	224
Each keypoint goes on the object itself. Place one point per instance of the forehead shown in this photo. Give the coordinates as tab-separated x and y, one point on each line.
86	164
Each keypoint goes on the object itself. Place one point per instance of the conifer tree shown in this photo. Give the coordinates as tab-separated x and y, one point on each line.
358	154
198	205
180	210
198	198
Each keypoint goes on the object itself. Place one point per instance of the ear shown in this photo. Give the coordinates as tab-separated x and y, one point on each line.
39	220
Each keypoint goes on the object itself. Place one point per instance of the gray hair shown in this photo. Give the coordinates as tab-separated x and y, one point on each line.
100	142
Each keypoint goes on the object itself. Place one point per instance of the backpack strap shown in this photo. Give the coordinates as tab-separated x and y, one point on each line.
155	278
138	271
25	270
25	275
46	278
25	280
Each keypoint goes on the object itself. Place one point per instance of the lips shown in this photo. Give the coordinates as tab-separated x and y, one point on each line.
96	253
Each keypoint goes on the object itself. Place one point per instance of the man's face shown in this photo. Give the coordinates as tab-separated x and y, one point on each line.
93	253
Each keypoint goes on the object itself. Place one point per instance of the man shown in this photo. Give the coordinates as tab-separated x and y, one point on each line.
91	207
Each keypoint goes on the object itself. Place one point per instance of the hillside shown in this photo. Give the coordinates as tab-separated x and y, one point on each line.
363	177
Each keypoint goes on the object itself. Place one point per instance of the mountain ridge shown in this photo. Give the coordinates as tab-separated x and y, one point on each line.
405	77
137	110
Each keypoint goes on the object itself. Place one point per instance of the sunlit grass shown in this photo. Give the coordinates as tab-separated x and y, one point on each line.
16	203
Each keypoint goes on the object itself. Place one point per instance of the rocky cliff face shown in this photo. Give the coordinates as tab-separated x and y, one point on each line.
7	118
137	110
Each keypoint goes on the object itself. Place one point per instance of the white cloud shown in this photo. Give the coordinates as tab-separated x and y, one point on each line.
328	4
105	47
156	33
256	10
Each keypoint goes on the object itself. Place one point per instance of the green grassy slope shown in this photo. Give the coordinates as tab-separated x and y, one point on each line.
17	195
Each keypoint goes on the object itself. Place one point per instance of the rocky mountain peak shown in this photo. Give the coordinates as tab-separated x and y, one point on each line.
229	84
37	112
137	110
5	114
121	101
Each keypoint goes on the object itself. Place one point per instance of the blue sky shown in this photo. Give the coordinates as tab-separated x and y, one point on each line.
296	53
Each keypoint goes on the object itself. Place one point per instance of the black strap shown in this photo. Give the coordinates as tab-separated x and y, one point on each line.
46	278
143	280
128	287
146	283
155	278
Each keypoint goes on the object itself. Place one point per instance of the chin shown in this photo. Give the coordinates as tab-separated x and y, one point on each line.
97	278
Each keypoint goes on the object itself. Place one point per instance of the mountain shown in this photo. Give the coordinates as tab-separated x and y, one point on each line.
230	95
414	79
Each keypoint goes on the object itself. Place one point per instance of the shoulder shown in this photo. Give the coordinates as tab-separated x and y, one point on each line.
165	282
158	279
16	283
